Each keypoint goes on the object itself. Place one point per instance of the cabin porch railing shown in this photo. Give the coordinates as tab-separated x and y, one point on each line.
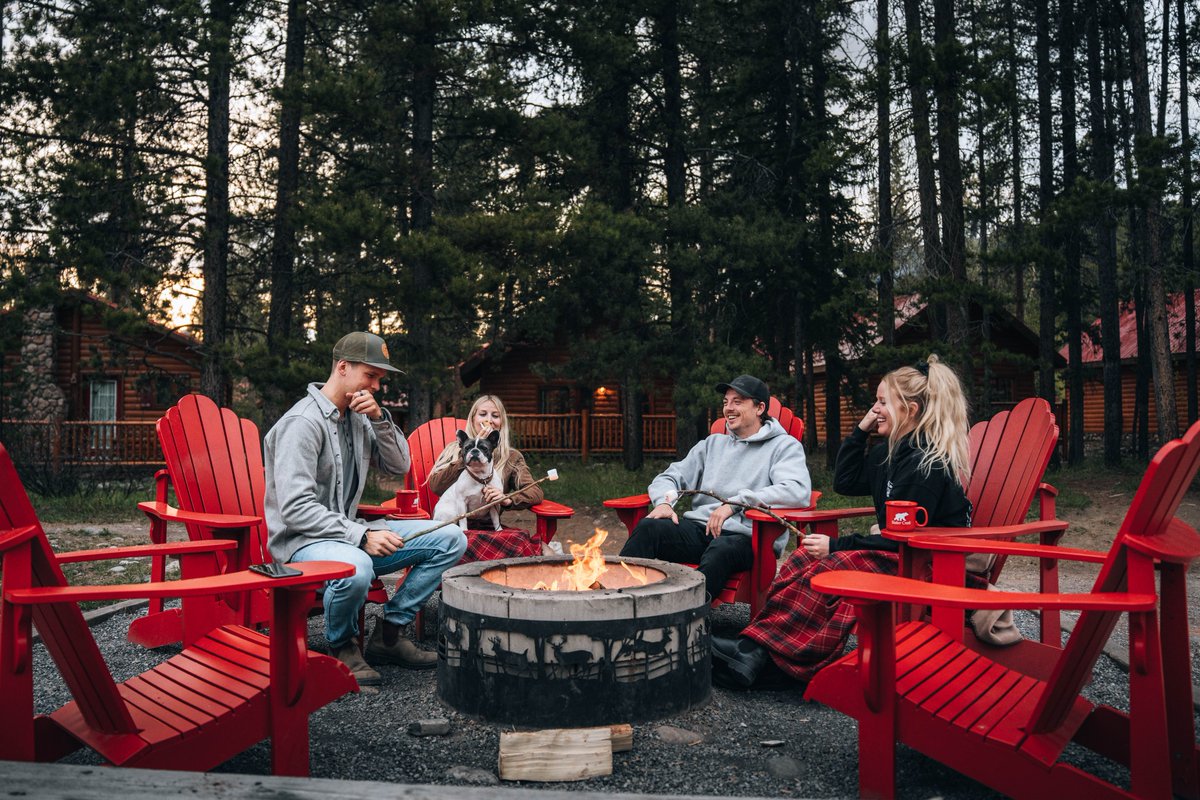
81	443
586	433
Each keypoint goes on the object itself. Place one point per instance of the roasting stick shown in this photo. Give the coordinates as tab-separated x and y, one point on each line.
551	475
672	497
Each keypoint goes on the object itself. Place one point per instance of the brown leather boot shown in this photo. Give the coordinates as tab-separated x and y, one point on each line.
349	655
390	644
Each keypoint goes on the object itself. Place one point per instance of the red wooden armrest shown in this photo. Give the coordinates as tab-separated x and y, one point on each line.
998	532
313	573
11	537
893	589
372	511
1046	488
633	501
143	550
961	544
549	508
804	516
166	513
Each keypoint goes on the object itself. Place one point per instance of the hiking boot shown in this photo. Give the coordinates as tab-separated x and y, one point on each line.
739	661
391	644
350	655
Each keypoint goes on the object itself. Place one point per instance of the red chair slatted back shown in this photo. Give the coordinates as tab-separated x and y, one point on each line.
1151	515
61	625
791	423
1009	454
215	462
426	443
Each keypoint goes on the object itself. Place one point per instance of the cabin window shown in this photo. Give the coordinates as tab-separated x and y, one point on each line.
1001	389
554	400
102	407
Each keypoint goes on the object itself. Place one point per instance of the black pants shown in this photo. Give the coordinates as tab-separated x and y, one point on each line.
689	543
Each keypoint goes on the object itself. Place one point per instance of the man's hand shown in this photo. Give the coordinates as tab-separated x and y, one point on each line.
717	518
815	544
664	511
381	543
363	402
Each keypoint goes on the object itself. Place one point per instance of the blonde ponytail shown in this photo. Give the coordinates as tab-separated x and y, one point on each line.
940	422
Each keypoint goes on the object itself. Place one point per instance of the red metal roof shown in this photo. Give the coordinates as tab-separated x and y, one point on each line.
1176	326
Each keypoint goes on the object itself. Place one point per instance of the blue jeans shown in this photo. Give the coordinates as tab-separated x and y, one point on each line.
426	558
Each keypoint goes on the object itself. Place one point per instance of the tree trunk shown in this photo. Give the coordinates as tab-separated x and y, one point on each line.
1016	136
984	394
283	242
420	396
1046	293
954	244
1106	240
1152	180
214	377
1072	300
631	419
1185	201
918	71
883	240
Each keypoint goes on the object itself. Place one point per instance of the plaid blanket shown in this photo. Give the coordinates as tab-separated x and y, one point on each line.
489	545
804	629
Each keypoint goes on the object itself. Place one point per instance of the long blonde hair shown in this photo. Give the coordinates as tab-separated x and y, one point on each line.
940	423
501	456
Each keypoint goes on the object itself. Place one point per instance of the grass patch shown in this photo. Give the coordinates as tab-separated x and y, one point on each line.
105	572
94	505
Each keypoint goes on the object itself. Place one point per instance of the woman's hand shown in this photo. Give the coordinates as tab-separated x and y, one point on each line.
816	544
869	422
491	494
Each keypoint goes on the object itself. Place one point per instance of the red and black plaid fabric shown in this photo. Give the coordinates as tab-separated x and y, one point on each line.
804	629
488	545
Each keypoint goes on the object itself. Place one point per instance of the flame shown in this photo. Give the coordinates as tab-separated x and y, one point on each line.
587	567
643	579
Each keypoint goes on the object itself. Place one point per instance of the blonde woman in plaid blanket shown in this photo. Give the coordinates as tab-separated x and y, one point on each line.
483	542
922	413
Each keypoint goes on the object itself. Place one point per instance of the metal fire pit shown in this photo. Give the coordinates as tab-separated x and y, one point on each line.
516	655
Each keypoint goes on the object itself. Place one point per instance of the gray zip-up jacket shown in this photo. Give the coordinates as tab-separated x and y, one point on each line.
766	468
304	472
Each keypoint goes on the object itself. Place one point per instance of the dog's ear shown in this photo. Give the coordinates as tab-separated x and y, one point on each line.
462	438
494	438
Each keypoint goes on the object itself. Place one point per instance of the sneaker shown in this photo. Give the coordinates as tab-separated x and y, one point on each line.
350	655
402	652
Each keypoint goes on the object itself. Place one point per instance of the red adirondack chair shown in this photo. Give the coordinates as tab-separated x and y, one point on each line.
228	689
426	443
214	464
743	587
918	684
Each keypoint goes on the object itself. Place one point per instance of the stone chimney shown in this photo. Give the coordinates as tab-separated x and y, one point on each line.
40	397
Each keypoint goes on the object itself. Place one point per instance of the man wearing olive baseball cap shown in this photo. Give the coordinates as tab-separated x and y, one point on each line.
317	458
754	462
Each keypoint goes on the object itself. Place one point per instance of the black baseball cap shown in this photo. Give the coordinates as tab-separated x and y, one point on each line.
363	347
748	386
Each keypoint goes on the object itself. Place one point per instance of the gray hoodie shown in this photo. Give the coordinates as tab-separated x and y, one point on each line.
766	468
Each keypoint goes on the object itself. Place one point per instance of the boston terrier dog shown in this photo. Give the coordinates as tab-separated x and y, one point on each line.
467	492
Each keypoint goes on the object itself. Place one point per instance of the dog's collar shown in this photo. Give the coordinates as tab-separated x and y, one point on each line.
476	478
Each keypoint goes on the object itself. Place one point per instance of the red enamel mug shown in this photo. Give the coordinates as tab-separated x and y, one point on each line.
903	515
406	500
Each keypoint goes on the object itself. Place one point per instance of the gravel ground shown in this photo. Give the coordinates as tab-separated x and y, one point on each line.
364	737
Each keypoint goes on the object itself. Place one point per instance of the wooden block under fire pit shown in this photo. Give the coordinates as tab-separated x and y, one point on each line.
556	754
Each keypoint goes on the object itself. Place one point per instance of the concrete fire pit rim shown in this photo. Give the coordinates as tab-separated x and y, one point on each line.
470	576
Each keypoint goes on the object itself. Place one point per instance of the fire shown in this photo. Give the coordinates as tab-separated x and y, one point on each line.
587	567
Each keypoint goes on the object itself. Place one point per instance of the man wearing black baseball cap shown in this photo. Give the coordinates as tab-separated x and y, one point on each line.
754	462
317	458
